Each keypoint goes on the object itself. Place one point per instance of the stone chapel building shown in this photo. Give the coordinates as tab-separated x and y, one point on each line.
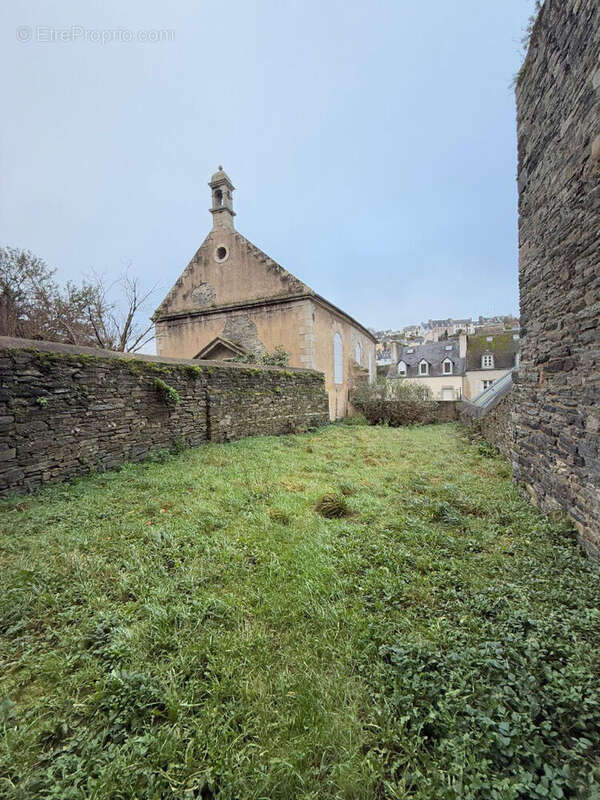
233	299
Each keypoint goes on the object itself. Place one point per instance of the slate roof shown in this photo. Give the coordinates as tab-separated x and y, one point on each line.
432	352
489	398
503	346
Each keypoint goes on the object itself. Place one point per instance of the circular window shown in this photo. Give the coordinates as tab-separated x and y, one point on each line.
221	253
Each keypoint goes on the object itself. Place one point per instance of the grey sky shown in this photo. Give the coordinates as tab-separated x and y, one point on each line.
372	144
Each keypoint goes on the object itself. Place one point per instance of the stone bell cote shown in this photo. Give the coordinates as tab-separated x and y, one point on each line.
222	203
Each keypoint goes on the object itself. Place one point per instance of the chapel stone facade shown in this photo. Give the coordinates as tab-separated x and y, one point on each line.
233	299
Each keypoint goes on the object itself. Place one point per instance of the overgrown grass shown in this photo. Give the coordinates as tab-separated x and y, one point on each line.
197	629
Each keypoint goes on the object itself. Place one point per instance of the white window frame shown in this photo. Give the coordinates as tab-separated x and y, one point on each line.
338	359
447	362
483	384
487	361
422	364
402	370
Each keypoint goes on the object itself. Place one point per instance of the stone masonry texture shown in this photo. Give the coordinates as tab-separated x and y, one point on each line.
67	411
556	417
497	426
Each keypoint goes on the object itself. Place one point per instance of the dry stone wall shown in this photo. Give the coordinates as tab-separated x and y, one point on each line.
496	425
557	413
67	411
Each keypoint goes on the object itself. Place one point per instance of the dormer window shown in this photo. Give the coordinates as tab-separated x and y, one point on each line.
402	369
487	361
447	366
423	368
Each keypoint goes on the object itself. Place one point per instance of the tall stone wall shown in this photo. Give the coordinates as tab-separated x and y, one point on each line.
557	416
67	411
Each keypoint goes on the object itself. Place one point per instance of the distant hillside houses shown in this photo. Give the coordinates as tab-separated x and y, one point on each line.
457	368
436	330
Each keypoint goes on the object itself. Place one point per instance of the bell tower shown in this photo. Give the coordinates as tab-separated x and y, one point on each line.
222	203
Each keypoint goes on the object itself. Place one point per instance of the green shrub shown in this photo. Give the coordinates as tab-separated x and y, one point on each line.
278	358
487	449
179	445
160	455
193	371
394	402
169	395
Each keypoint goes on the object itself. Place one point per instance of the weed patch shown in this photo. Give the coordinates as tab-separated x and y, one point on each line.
332	505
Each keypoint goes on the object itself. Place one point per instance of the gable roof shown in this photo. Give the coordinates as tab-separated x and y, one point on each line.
289	284
288	287
434	353
502	346
221	343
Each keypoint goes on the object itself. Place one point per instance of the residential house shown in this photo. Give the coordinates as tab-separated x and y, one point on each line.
489	357
458	367
438	365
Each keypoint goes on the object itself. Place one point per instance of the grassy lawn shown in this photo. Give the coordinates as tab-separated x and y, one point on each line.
196	629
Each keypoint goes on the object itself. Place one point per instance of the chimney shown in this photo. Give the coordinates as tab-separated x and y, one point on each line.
462	345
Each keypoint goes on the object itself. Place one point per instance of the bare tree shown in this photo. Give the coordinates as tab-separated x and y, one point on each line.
117	325
97	314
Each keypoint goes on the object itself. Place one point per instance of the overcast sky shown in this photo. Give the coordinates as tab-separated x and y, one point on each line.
372	144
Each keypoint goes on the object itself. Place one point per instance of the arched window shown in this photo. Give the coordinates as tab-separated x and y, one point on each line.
338	359
218	197
447	366
357	353
402	369
423	367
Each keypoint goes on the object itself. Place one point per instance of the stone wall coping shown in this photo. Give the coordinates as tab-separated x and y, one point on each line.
40	345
